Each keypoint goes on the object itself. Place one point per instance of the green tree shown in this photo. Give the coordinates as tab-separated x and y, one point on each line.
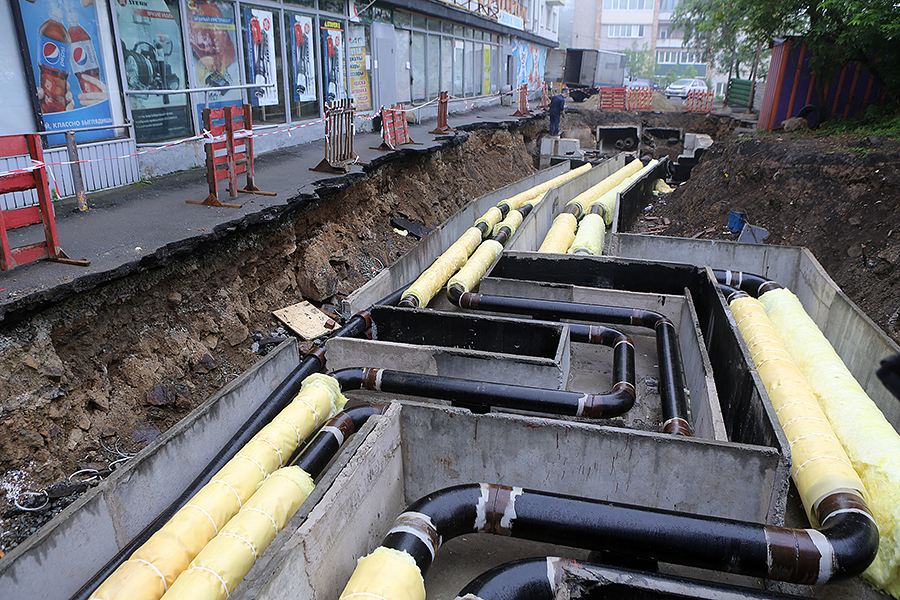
640	61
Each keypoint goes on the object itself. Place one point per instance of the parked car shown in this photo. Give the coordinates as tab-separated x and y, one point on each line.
683	87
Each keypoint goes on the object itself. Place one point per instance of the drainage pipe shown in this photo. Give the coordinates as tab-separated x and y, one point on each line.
542	578
218	569
842	547
675	409
312	362
480	396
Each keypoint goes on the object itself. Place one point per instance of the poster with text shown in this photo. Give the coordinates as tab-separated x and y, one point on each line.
151	46
532	61
212	35
260	33
64	44
303	60
333	61
360	89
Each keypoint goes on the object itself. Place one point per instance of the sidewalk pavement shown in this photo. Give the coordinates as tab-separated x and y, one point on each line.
150	224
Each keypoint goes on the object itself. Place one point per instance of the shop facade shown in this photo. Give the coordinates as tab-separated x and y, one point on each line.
133	74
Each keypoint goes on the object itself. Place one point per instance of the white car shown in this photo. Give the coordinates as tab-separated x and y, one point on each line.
683	87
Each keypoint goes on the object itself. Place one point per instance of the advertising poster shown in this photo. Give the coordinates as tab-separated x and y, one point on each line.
486	71
261	56
360	90
333	61
212	35
532	61
154	60
302	53
63	44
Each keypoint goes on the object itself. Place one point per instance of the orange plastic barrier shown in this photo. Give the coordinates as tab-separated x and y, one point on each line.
612	98
699	102
394	128
32	178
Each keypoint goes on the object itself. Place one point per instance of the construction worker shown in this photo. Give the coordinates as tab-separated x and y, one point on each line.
557	107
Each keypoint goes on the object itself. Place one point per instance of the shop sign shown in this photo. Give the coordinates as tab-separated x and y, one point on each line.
510	20
258	26
64	53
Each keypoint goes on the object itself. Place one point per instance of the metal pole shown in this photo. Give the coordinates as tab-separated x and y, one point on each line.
72	149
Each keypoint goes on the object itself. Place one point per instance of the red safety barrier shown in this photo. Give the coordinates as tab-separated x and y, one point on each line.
612	98
639	98
522	109
443	109
228	156
339	130
699	102
32	178
545	97
394	128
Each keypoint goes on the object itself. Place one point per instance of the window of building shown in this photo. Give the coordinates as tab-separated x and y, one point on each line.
692	58
332	6
626	31
628	4
668	5
662	33
666	57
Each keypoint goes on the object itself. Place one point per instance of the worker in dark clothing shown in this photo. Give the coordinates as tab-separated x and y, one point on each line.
557	107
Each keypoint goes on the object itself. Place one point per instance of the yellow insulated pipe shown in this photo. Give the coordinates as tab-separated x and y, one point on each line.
590	237
561	234
434	277
871	442
153	567
368	580
586	198
608	199
819	465
468	277
537	191
228	557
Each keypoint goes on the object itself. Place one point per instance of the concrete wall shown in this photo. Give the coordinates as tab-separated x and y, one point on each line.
62	555
859	342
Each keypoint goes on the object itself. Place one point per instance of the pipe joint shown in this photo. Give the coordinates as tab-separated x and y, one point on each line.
677	426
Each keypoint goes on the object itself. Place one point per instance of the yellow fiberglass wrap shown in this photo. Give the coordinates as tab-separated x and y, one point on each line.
470	275
608	199
512	220
819	465
386	574
561	234
493	216
228	557
434	277
153	567
590	237
872	444
588	197
537	191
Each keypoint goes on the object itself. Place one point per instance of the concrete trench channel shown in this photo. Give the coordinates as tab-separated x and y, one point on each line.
735	465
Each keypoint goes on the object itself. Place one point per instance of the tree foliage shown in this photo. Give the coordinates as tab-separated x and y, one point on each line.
835	31
640	60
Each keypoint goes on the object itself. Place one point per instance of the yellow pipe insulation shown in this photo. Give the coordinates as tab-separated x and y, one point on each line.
153	567
586	198
871	442
819	465
590	237
368	580
561	234
493	216
434	277
608	200
512	220
538	191
223	563
469	276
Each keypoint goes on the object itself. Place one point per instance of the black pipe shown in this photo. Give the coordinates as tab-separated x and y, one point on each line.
675	410
754	285
312	362
540	578
843	546
479	396
314	456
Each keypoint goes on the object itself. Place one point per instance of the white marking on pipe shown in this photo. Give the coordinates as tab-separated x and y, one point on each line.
259	510
837	458
208	516
728	277
310	407
481	508
552	562
155	570
255	462
858	511
243	539
825	435
234	491
275	448
337	433
421	526
509	513
581	402
216	575
826	555
378	374
805	418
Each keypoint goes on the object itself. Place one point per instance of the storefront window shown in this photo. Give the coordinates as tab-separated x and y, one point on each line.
303	81
262	52
458	61
153	56
417	54
333	61
446	64
495	69
360	67
403	64
418	21
401	19
332	6
212	35
434	66
470	68
304	3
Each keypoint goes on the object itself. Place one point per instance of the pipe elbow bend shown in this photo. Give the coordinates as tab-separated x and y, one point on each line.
854	537
614	404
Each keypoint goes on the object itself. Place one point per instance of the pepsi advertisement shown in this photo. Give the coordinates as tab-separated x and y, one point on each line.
63	44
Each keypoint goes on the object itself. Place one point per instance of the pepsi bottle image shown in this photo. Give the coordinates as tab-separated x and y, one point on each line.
84	57
53	61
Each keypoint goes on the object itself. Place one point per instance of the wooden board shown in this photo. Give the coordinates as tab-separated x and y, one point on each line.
305	320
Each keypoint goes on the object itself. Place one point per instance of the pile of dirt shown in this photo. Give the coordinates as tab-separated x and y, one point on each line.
835	195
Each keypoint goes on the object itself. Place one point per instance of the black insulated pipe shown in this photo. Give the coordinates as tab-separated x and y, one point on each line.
843	546
480	396
675	409
754	285
314	456
312	362
542	578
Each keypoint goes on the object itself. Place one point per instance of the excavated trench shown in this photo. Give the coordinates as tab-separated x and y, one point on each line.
97	376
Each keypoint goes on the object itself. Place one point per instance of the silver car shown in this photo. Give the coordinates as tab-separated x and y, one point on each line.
683	87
